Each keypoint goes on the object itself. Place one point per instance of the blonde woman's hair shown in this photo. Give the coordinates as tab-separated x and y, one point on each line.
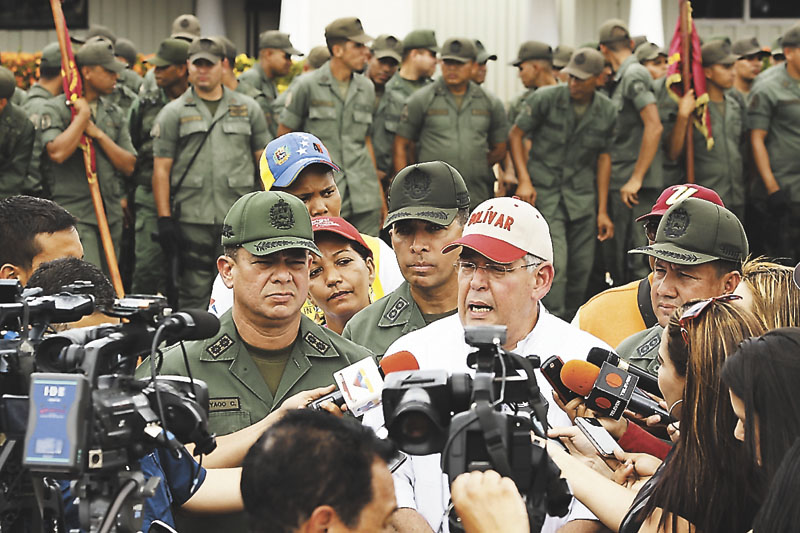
776	299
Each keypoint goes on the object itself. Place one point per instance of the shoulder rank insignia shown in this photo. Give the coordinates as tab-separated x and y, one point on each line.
649	346
220	346
316	343
394	312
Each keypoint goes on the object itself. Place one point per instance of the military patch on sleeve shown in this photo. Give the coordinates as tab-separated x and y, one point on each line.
649	346
220	346
216	405
316	343
155	131
46	122
394	312
639	87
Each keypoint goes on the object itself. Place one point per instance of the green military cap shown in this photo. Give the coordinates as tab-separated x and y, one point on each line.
186	27
8	84
98	51
125	49
648	52
318	56
483	56
561	55
791	37
638	40
607	33
171	51
459	49
265	222
51	56
349	28
387	46
278	40
718	53
420	39
585	63
695	231
533	50
747	47
228	48
432	191
96	30
777	48
206	48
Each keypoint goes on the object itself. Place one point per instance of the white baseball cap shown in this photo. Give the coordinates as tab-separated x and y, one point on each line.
504	230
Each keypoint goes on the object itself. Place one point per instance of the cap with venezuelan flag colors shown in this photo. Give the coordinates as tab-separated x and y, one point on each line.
285	157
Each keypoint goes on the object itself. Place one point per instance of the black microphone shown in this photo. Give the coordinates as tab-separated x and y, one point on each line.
189	325
646	406
647	381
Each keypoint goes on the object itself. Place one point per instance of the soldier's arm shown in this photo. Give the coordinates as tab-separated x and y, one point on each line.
162	166
64	145
498	133
497	152
761	158
605	227
525	124
651	136
295	111
408	131
122	160
219	492
677	137
23	150
403	152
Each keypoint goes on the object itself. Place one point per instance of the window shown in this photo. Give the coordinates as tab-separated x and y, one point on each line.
37	15
774	9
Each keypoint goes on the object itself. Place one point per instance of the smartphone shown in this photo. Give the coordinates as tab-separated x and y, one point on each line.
551	369
601	439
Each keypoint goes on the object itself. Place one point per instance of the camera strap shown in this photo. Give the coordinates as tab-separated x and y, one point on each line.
493	436
535	401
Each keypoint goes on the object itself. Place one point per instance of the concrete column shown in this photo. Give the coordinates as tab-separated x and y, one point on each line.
212	16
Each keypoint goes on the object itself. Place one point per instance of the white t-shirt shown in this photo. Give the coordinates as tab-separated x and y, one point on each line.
420	483
388	279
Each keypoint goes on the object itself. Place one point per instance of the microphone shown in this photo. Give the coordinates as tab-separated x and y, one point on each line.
396	362
609	390
189	325
647	381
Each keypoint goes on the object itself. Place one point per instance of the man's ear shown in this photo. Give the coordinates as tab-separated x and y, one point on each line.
224	266
321	519
543	280
9	271
730	281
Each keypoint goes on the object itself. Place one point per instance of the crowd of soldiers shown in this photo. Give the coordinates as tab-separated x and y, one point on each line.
591	142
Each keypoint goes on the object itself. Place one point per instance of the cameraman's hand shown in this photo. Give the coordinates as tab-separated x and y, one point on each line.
488	503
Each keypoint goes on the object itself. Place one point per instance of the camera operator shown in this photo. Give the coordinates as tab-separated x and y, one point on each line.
34	231
504	269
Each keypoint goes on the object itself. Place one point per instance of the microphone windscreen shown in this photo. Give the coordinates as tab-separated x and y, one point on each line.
399	361
579	376
599	355
206	325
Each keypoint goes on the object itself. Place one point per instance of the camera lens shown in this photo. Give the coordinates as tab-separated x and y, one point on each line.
415	427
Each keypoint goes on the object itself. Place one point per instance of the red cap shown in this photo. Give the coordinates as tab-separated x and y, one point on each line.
341	227
675	193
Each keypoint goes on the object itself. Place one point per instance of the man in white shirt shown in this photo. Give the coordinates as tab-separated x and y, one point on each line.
505	268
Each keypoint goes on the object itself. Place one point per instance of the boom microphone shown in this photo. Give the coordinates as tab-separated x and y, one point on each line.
647	381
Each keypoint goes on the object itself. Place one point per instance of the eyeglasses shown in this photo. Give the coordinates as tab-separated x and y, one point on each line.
698	308
650	228
494	270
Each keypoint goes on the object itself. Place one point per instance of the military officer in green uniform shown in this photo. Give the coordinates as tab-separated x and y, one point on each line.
773	116
185	27
265	350
106	124
385	56
636	173
721	167
417	65
750	60
48	86
535	64
16	139
569	167
482	58
335	103
316	57
561	55
429	204
126	53
172	78
205	148
235	84
275	53
456	121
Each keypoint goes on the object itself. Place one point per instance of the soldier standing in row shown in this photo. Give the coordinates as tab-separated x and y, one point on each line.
105	123
172	79
16	139
335	103
456	121
235	84
386	54
127	55
206	144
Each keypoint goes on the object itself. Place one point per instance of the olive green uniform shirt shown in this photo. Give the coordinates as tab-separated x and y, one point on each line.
131	79
315	105
224	170
238	394
387	118
774	106
142	118
263	102
67	180
16	146
19	96
563	157
381	323
255	77
33	106
515	106
641	349
633	92
459	136
673	172
123	96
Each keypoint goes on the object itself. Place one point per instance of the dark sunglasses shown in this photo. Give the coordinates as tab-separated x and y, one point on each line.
697	309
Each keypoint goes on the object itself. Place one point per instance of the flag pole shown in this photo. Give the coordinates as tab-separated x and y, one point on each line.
73	91
686	77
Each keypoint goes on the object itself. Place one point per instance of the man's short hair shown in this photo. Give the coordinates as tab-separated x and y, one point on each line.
619	41
53	275
332	41
306	460
22	218
48	73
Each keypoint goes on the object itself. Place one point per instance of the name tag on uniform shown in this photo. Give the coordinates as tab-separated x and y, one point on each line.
480	111
437	112
238	110
192	118
217	405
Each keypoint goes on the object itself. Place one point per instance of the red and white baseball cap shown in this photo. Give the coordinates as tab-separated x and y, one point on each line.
676	193
504	230
341	227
